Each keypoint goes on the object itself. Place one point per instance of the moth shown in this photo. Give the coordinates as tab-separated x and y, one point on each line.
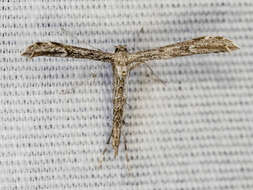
123	62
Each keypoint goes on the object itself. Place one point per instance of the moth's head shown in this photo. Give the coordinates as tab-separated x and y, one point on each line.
120	48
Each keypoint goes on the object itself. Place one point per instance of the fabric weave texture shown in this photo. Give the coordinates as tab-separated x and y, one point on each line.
192	133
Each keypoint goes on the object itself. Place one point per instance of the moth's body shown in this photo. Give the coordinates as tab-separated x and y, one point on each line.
120	74
123	62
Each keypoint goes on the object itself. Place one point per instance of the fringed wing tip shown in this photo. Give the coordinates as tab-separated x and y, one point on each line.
225	44
39	49
26	54
221	43
29	51
235	46
231	46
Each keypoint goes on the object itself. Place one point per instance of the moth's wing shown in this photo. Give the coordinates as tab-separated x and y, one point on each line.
201	45
54	49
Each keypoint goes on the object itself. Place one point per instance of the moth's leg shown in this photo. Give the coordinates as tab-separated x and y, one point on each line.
124	132
155	77
104	151
108	141
125	146
137	39
126	152
134	65
100	161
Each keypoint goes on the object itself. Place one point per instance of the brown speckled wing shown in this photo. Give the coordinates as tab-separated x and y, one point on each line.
201	45
55	49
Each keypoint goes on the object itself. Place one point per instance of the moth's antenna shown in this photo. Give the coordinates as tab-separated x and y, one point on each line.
82	41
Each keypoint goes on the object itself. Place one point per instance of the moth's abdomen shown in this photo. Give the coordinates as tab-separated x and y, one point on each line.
118	110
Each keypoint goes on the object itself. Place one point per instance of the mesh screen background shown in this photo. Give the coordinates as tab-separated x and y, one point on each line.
193	133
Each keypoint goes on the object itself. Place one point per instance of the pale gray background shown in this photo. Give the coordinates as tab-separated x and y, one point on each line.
194	133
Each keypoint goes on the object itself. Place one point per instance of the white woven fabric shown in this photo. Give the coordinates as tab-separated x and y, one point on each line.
193	133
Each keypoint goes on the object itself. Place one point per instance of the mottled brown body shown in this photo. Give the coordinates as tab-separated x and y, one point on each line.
123	62
120	74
